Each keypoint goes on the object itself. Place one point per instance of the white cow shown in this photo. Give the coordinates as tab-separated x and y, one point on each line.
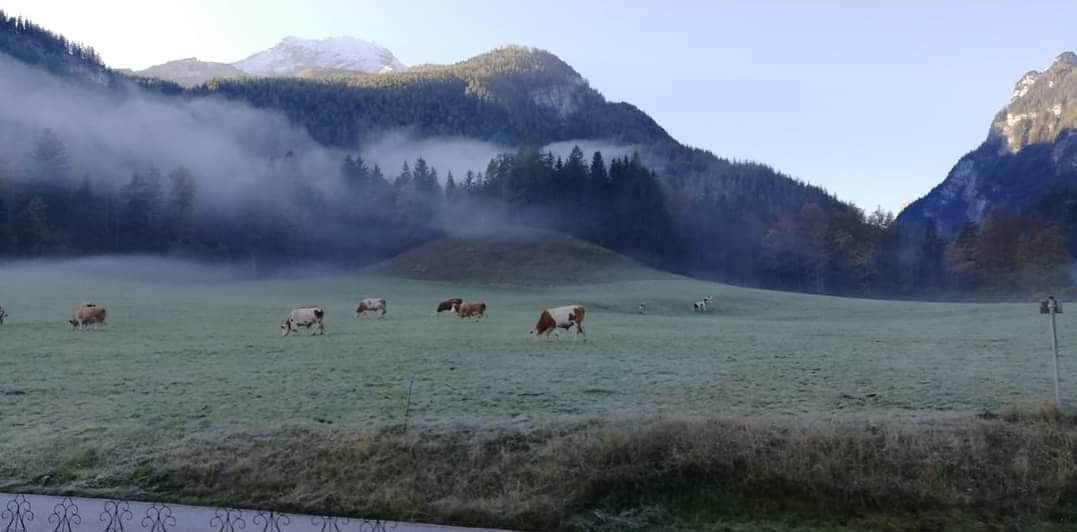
701	305
305	317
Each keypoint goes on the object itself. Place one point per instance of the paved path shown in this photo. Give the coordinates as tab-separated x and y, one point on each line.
38	513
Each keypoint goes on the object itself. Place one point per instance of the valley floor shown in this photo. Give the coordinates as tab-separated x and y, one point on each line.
805	412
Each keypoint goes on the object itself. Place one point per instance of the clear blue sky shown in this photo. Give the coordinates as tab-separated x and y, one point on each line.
872	100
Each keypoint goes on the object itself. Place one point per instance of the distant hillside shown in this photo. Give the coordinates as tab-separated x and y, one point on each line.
713	217
533	258
190	72
1031	149
292	56
517	95
512	95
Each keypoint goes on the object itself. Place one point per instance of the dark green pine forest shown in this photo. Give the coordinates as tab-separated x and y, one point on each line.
672	206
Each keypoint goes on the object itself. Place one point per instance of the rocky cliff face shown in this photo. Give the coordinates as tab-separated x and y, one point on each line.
1030	149
1042	106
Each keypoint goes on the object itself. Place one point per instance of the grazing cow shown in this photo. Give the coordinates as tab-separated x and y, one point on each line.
305	317
448	304
476	309
564	317
370	304
3	314
701	305
88	314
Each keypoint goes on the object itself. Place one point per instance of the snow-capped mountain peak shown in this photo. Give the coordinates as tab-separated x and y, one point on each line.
294	54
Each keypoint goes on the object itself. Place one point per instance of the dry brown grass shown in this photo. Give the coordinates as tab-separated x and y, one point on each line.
585	474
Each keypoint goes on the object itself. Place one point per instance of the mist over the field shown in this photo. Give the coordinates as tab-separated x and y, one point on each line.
264	192
447	154
110	134
226	144
459	155
609	150
130	268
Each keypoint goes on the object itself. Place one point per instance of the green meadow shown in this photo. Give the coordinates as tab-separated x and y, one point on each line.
191	359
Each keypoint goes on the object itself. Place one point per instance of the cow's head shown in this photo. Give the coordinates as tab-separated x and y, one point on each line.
74	323
286	327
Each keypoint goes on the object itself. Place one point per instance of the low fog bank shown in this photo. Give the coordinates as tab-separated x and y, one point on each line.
108	135
447	154
92	171
164	270
459	155
610	150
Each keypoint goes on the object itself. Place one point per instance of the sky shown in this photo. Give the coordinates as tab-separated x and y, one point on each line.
873	100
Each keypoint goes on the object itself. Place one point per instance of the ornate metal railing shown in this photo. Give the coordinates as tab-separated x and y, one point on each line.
17	515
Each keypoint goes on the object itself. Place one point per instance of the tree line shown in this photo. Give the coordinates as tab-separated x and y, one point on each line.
31	43
47	207
846	251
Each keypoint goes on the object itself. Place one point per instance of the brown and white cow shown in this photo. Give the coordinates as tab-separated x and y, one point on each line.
564	317
471	309
3	314
88	314
305	317
371	304
448	305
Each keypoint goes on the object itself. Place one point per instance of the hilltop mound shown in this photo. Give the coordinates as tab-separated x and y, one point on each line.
520	258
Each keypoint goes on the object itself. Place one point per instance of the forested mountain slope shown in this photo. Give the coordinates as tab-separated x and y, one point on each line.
524	96
272	170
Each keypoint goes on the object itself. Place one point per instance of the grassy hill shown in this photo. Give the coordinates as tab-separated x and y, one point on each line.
519	257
